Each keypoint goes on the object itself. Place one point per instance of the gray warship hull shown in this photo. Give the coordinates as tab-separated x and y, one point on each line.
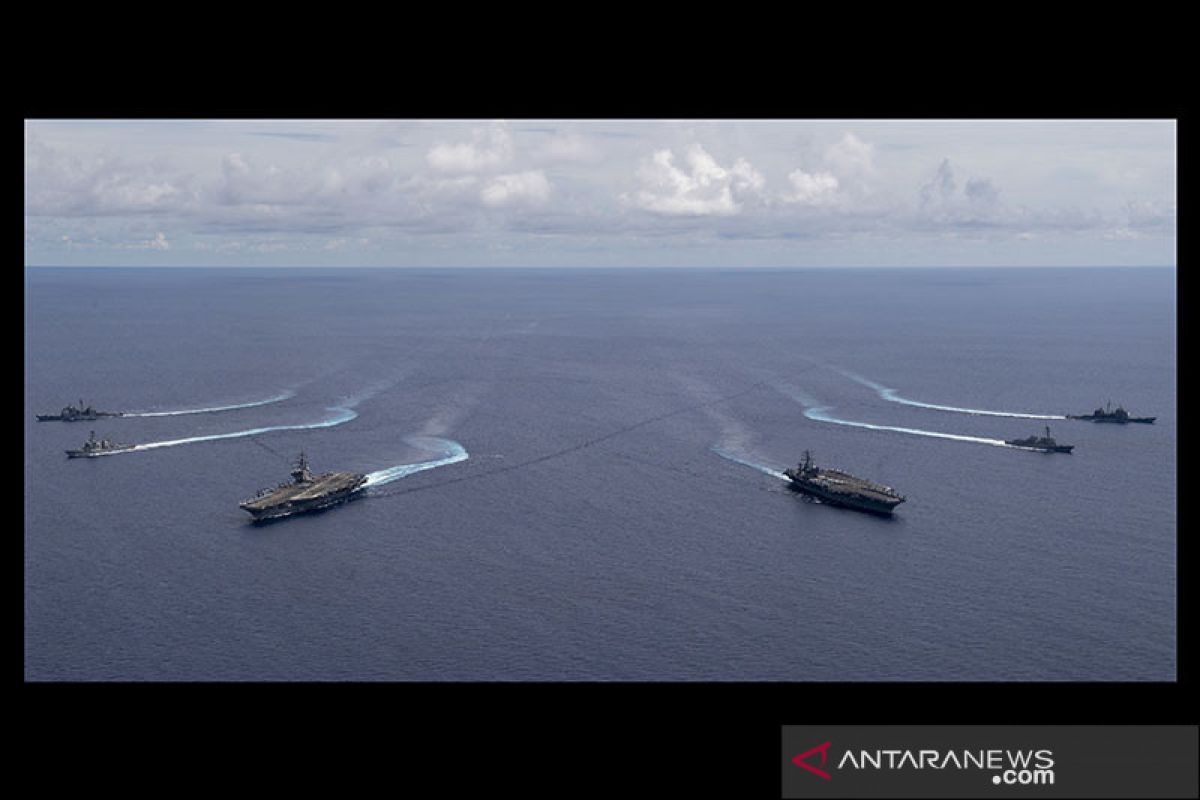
97	452
77	417
94	448
1040	444
1058	448
1113	419
858	503
843	489
305	496
1107	414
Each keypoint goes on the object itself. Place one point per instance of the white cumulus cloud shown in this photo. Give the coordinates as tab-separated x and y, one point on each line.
841	177
489	148
851	156
518	187
703	188
746	177
811	189
977	202
61	183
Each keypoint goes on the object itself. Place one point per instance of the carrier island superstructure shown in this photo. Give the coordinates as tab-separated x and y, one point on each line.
306	492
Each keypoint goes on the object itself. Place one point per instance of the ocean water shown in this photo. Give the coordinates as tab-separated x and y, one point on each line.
575	475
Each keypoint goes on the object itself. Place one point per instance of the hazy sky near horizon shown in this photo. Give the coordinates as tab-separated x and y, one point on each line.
590	193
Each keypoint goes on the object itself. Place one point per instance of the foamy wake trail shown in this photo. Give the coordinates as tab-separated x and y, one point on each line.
343	415
891	396
448	451
774	473
820	414
211	409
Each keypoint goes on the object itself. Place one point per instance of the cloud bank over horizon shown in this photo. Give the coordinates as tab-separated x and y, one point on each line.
600	193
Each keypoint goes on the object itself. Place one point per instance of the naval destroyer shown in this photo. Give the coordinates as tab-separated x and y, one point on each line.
94	447
1043	444
1120	416
841	488
306	492
78	413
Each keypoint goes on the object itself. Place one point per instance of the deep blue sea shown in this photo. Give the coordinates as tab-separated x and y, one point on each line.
574	475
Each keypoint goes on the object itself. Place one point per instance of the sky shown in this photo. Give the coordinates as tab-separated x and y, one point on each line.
600	193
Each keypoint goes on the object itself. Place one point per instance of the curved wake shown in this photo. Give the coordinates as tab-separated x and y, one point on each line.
814	411
345	414
819	414
774	473
450	451
891	396
211	409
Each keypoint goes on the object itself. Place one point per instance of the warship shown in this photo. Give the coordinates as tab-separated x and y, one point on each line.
306	492
1120	416
94	447
77	414
843	489
1043	444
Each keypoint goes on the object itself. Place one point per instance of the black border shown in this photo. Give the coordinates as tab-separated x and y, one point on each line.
572	739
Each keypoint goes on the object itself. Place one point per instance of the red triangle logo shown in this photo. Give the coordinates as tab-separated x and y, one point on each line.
800	762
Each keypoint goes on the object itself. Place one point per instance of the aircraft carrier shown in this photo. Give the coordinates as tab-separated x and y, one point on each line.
842	488
306	492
